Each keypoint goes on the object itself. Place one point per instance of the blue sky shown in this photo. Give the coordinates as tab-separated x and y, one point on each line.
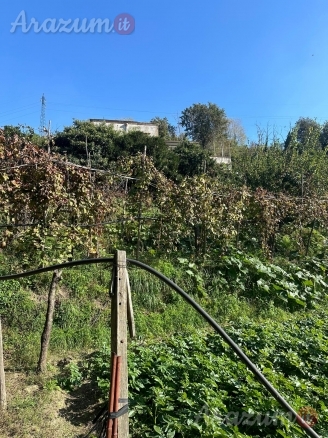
265	62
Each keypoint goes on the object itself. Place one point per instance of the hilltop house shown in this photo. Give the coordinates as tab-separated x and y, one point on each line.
128	125
223	157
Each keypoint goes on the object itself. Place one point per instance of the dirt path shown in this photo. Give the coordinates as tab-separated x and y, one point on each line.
37	410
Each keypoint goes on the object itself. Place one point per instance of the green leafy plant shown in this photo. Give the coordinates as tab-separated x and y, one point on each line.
71	377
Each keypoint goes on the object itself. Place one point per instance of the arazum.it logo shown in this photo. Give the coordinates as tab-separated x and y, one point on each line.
123	24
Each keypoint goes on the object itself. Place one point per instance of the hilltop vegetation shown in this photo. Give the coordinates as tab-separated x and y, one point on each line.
248	242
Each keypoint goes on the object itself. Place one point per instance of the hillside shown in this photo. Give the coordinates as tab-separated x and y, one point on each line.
247	243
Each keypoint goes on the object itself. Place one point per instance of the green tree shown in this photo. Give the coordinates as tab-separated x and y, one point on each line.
165	129
191	158
87	143
236	133
134	142
307	135
23	133
324	135
278	170
206	124
100	145
52	200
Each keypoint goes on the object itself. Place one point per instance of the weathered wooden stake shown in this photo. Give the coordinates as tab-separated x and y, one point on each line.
45	338
3	394
119	306
131	323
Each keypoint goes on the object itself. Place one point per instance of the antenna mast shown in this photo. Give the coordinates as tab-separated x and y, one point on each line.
42	128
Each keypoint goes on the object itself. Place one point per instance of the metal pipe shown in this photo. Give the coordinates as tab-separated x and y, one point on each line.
112	395
117	394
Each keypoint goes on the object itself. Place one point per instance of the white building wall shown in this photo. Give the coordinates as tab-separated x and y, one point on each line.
127	126
222	160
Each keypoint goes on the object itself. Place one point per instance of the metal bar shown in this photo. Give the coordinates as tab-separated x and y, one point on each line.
124	434
111	395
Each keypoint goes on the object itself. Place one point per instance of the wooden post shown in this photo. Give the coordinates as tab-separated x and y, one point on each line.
3	395
119	306
45	338
131	322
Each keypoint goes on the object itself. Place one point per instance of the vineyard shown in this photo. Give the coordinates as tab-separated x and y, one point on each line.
249	243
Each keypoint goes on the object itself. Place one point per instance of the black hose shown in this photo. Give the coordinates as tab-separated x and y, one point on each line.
54	267
307	429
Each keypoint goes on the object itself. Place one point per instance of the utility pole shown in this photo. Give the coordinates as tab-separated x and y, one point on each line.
45	131
42	128
48	131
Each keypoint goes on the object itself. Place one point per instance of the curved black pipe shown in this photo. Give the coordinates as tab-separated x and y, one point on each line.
231	343
200	310
54	267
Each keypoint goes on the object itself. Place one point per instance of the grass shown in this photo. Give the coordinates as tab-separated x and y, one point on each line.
39	409
82	312
36	407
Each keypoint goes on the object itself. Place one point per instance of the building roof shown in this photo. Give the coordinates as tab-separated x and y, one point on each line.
122	121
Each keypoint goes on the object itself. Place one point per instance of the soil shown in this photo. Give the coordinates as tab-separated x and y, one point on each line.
38	410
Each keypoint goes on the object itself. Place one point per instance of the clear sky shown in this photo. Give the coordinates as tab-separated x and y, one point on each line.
265	62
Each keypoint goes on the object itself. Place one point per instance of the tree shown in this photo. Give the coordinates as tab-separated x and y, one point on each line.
191	158
148	187
165	129
324	135
134	142
53	199
23	132
206	124
308	133
87	143
100	145
46	333
307	128
236	132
